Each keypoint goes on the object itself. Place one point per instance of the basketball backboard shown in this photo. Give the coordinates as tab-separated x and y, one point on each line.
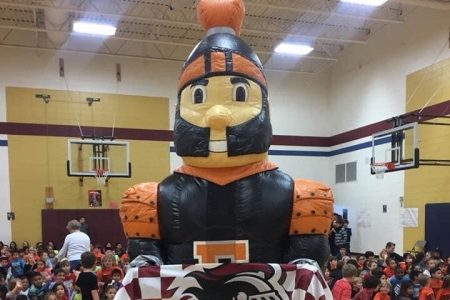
396	148
86	157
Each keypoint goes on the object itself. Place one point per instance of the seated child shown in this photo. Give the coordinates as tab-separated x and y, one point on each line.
385	289
44	270
60	291
369	287
69	276
406	290
38	287
117	276
110	292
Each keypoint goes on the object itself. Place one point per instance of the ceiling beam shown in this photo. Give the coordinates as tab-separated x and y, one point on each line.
133	56
179	23
324	12
187	45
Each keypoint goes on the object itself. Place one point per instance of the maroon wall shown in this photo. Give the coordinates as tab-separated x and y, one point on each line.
104	225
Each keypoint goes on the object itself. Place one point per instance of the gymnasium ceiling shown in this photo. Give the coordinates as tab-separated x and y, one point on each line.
168	30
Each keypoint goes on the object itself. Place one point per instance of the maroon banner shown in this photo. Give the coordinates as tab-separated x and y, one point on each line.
225	281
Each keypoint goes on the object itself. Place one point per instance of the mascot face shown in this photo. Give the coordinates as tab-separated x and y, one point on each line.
222	118
219	106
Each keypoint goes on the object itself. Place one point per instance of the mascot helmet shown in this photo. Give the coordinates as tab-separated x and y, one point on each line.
234	120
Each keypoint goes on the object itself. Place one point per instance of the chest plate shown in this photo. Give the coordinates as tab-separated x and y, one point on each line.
256	209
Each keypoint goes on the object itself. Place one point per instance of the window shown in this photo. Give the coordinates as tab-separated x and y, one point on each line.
346	172
350	171
340	173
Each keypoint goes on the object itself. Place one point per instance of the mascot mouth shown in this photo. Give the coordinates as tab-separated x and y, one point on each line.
219	146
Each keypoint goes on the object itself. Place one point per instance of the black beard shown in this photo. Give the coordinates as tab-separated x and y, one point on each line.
190	140
251	137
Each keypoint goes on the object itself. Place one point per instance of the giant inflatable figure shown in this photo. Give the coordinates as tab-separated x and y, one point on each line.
227	202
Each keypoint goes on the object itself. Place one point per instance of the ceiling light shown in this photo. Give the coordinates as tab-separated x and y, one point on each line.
366	2
295	49
93	28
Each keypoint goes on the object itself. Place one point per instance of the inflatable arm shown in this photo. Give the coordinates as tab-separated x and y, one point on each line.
310	222
138	213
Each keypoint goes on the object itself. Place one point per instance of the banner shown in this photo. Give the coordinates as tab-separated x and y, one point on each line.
225	281
409	217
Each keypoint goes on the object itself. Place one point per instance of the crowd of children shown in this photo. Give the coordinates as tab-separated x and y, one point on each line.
33	273
388	276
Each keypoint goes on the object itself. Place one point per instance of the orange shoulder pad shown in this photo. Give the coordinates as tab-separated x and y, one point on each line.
312	210
138	211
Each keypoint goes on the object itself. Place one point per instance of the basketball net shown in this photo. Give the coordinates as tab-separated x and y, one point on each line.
380	168
101	176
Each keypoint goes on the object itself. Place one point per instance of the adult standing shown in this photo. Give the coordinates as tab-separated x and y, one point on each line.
390	249
84	226
75	243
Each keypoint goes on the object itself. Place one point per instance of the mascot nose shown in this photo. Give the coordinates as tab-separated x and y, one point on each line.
218	117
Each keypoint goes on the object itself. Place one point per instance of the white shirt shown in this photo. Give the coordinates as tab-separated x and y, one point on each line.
75	244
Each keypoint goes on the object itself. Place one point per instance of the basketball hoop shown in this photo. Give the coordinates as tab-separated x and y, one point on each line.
101	176
380	168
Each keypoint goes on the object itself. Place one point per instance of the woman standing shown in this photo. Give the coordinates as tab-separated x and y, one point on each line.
75	243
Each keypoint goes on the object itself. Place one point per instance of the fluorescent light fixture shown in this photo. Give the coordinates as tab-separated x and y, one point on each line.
366	2
295	49
93	28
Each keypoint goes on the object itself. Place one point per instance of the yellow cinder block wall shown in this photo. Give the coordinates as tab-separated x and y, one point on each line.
427	184
36	162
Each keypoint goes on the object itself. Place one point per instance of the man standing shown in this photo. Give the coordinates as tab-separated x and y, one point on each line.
390	249
75	243
84	226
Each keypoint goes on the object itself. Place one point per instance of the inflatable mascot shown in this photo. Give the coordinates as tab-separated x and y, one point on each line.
228	221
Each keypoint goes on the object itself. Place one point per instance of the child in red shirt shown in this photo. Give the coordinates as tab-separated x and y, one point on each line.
369	287
45	272
389	270
342	289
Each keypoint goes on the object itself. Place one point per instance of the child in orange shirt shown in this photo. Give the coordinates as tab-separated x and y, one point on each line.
444	292
104	275
426	293
436	280
385	289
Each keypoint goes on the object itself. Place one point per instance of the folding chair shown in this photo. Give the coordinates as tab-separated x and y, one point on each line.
419	247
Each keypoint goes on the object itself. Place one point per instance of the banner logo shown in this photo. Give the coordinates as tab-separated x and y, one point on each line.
215	251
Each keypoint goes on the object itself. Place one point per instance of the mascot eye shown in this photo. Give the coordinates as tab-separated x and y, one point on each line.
240	92
198	94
